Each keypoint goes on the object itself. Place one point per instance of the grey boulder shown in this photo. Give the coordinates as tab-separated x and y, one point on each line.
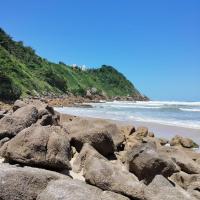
145	162
107	176
75	190
41	146
24	183
161	189
22	118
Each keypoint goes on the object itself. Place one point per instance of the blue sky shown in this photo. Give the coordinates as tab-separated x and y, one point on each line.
155	43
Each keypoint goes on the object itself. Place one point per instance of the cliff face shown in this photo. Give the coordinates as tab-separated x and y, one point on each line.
23	72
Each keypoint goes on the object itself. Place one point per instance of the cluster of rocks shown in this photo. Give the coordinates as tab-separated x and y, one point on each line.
49	156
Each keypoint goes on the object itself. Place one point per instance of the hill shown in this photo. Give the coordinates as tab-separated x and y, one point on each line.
23	72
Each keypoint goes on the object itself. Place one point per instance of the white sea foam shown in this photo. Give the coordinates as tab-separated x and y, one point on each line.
181	114
190	109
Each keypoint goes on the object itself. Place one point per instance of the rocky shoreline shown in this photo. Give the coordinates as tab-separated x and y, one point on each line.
47	155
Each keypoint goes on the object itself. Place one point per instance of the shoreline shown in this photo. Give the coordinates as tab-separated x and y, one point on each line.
160	130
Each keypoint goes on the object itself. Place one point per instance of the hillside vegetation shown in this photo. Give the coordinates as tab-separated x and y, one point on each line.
23	72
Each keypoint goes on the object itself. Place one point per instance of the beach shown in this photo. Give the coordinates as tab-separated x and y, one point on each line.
73	156
165	119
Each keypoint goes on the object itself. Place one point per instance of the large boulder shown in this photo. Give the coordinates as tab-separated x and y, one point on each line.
76	190
161	189
181	159
24	183
22	118
103	136
108	176
145	162
41	146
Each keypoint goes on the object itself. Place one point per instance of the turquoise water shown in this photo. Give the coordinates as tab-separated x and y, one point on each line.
180	114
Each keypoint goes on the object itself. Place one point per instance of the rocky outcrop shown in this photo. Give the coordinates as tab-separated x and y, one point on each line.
39	146
146	162
96	159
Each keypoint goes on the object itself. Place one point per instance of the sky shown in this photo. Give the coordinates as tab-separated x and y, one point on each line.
154	43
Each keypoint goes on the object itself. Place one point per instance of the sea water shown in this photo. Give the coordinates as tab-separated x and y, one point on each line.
180	114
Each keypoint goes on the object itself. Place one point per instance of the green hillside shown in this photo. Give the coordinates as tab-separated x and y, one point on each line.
23	73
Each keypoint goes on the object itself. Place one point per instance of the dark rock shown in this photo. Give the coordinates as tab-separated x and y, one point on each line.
41	146
145	162
46	120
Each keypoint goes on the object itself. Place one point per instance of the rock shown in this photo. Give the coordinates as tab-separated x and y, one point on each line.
131	142
107	195
188	143
184	142
189	182
88	94
161	189
24	183
87	152
146	162
181	159
102	135
151	134
107	176
18	104
40	146
163	141
4	140
75	190
175	141
127	130
2	113
46	120
141	132
24	117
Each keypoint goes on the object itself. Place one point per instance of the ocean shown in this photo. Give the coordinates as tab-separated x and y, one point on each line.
184	117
